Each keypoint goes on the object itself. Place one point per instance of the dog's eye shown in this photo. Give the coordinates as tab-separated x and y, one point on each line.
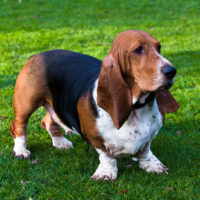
139	50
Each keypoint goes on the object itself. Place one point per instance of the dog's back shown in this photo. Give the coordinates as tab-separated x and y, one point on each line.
69	75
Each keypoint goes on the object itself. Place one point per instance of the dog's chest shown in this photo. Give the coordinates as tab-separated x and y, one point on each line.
141	126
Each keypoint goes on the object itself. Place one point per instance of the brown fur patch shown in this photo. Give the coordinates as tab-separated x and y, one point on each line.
88	122
53	127
166	102
30	93
114	95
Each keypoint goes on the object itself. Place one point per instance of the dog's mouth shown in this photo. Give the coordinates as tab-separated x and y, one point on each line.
168	84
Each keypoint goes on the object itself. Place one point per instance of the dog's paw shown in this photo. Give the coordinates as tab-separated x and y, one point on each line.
22	153
61	143
19	149
105	173
153	165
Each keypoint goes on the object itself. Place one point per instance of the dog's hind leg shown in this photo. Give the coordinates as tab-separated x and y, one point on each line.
54	130
18	129
27	98
30	93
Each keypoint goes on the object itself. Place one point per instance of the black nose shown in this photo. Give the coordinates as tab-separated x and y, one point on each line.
169	71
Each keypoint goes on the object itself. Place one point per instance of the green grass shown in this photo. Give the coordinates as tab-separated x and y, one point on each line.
89	27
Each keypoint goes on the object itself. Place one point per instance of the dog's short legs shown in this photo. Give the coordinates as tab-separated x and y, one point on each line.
149	162
29	94
107	169
18	126
54	130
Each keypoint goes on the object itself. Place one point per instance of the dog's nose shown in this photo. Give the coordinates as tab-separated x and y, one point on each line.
169	71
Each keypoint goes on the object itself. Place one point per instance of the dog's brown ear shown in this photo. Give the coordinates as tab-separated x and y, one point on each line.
113	94
166	101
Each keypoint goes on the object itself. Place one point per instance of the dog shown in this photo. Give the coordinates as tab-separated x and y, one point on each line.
117	105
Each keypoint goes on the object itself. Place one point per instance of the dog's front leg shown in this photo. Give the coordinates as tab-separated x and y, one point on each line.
149	162
107	169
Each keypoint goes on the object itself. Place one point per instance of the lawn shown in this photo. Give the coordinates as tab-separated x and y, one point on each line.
89	27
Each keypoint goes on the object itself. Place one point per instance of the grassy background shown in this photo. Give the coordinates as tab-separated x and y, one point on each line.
89	27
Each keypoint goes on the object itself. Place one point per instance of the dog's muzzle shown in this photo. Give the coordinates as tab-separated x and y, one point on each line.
169	72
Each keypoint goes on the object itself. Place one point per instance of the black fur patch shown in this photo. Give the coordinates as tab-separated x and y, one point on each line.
69	75
92	103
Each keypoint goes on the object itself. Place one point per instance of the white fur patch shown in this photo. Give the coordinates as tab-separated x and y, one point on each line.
134	100
107	169
151	164
135	132
61	143
20	147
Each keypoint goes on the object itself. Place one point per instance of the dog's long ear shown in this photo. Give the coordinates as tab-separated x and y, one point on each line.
166	101
113	93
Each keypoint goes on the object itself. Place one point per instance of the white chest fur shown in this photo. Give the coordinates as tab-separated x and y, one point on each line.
141	126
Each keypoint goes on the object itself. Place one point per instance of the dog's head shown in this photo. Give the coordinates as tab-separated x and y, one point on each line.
133	68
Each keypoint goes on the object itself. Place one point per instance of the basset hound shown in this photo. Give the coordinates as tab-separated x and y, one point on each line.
117	106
